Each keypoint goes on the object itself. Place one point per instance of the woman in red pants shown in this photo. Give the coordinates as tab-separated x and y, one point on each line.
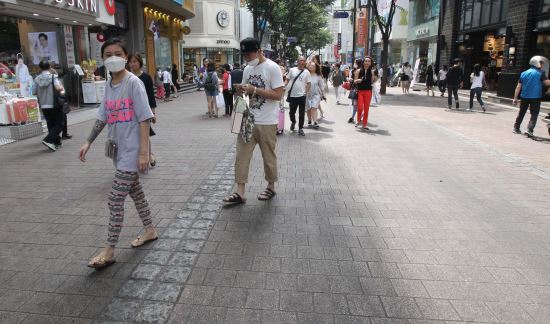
364	78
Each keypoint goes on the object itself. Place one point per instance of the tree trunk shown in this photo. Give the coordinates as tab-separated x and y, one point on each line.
384	63
255	19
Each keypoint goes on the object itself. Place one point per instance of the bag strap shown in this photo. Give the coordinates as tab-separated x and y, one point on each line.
293	82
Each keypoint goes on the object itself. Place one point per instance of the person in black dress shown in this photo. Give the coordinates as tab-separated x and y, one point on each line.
430	80
175	78
135	63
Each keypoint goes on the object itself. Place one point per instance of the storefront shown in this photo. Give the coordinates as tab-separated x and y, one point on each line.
422	34
164	32
214	34
397	50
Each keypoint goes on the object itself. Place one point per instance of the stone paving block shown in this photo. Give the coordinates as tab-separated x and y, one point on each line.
281	281
243	316
229	297
313	283
437	309
135	289
121	310
266	264
473	311
154	312
378	287
509	312
166	292
276	317
193	294
311	318
71	305
296	301
330	303
401	307
409	288
365	305
12	317
327	267
40	303
237	262
343	284
146	271
262	299
184	313
250	279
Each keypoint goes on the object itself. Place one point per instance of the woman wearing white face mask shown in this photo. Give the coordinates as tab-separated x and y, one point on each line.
126	111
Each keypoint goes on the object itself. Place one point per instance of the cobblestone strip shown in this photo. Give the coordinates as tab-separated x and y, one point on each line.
515	160
156	283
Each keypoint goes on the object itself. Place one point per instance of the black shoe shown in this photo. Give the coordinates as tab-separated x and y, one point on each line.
529	133
309	122
517	131
457	106
350	121
315	125
292	126
66	137
301	132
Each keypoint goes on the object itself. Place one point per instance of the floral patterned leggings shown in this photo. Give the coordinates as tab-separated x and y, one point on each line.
126	183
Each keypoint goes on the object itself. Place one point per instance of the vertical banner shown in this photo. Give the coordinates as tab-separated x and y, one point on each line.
69	45
415	72
362	28
339	44
96	40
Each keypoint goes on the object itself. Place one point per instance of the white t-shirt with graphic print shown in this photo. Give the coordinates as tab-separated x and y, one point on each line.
299	89
266	75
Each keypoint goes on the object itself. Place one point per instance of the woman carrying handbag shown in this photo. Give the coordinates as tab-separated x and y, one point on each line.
364	79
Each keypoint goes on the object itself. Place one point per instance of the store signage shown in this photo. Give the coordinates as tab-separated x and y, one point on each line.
340	15
339	43
422	31
223	42
69	46
110	6
81	5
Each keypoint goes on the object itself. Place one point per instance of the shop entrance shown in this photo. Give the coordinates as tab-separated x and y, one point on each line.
486	49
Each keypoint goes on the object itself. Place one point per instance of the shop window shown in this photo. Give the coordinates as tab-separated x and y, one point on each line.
545	6
468	6
495	12
163	53
476	13
485	12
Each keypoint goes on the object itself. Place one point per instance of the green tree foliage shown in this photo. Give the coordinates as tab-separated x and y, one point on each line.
306	20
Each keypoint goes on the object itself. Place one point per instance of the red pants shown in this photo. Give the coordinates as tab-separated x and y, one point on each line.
363	104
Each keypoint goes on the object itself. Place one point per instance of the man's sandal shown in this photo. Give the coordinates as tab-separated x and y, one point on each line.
100	263
139	241
234	199
267	194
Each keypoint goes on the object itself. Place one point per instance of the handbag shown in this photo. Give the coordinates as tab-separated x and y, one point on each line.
353	94
111	146
292	86
220	102
59	100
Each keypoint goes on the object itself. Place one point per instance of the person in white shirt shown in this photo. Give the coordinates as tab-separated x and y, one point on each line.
263	83
167	81
298	84
477	78
442	80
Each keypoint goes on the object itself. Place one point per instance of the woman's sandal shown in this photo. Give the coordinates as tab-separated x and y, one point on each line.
100	263
267	194
139	241
152	160
234	199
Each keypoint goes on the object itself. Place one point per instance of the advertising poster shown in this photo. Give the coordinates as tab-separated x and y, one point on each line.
43	46
69	46
96	41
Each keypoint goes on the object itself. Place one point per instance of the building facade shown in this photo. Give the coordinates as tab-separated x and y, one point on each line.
397	51
215	34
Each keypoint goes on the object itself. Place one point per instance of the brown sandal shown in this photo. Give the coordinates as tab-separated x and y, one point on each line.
103	263
139	241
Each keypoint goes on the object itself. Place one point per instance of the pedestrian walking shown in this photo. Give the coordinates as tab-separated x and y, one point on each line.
168	84
236	79
211	89
202	73
135	63
300	83
337	79
530	85
175	78
44	87
226	88
126	111
325	71
477	79
454	82
353	90
405	77
442	80
65	132
364	79
313	98
430	80
195	74
263	82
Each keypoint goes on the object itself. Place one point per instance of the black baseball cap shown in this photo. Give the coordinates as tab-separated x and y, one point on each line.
250	45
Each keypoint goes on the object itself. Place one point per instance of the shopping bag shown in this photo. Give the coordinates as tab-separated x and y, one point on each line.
376	97
32	110
238	114
281	123
220	103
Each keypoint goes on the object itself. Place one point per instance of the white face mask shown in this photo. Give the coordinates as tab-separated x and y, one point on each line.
254	62
20	61
115	63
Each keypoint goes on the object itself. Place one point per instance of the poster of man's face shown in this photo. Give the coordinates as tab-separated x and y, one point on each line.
43	46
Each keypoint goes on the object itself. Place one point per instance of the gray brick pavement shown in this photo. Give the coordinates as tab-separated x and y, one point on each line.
408	224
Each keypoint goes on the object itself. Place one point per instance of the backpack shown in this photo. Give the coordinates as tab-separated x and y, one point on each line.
210	84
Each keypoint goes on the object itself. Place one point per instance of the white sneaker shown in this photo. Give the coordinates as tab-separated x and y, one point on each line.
50	146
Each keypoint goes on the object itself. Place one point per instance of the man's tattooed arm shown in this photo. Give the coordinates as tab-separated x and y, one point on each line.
96	130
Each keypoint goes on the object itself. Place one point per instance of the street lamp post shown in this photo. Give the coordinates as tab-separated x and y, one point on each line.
354	13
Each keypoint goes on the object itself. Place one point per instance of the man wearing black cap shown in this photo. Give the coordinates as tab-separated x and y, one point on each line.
263	82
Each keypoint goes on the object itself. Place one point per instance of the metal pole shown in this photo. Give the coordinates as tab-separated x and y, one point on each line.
354	13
